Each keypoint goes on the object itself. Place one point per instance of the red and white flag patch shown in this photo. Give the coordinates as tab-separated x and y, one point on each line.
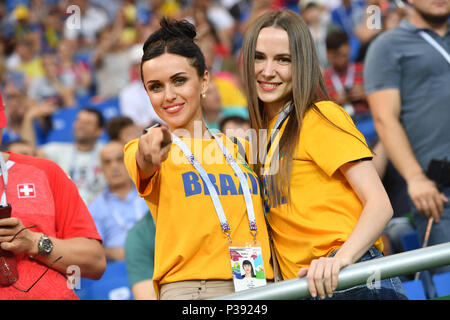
26	190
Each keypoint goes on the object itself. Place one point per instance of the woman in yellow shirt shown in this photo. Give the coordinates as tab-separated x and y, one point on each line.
326	206
203	196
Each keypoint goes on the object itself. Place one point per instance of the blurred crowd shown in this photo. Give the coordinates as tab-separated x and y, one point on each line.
70	57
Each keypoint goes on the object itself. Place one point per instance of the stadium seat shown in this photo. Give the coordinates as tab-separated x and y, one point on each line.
410	241
113	285
442	284
414	290
62	123
109	108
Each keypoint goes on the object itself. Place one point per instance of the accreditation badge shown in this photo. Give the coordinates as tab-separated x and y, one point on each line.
247	265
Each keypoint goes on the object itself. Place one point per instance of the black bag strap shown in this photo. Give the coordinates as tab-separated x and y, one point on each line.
241	149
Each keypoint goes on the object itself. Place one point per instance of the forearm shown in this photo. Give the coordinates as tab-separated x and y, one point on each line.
398	148
27	130
85	253
116	254
376	212
368	229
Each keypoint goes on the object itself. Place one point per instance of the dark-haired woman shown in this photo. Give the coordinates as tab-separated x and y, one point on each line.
325	203
202	198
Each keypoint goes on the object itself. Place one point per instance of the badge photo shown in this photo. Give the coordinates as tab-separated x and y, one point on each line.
247	267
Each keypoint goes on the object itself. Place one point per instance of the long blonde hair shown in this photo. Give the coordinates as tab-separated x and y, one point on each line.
308	87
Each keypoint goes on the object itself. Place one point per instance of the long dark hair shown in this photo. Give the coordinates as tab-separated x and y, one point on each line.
247	262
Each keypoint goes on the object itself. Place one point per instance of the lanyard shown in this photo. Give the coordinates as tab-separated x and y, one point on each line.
349	79
276	128
212	190
435	45
5	180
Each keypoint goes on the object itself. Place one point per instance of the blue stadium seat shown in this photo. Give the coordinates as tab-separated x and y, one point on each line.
442	284
62	122
410	241
109	108
414	290
113	285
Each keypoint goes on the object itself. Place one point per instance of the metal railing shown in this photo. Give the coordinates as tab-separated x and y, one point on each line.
359	273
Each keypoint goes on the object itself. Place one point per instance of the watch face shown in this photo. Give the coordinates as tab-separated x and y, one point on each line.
45	245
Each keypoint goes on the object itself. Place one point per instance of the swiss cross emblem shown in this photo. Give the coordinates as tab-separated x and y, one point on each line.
26	190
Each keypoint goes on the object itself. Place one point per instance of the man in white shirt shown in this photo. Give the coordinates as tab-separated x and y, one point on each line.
80	159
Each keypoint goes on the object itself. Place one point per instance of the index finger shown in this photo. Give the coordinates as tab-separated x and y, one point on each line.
167	137
9	222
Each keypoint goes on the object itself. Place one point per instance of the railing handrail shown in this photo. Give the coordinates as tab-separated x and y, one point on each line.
359	273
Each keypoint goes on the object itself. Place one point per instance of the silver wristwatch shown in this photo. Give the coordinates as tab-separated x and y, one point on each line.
45	245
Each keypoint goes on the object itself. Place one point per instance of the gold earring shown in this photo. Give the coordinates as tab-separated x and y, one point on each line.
203	95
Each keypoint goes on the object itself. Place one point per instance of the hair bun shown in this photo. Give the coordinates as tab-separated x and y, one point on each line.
177	29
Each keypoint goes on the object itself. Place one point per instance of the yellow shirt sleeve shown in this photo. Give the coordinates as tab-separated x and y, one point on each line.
333	142
133	170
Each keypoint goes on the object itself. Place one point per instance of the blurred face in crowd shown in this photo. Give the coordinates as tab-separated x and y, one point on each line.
235	129
25	50
113	167
339	58
212	101
49	63
174	88
311	14
432	11
17	104
129	133
86	127
273	69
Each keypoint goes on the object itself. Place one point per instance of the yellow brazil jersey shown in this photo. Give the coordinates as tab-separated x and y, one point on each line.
324	208
189	243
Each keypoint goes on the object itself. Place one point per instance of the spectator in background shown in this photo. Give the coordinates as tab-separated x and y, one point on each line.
80	159
406	81
235	126
133	99
111	59
122	129
76	72
26	59
93	20
140	258
53	86
317	19
118	207
344	79
212	107
51	31
348	16
219	17
367	31
18	105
